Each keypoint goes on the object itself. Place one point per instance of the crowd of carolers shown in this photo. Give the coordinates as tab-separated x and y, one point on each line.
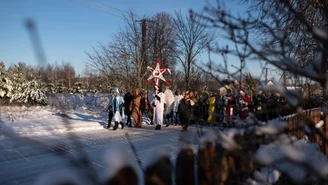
190	107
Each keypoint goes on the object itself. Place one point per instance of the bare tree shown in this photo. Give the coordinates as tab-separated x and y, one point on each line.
278	43
286	27
192	38
124	61
291	20
120	61
56	75
162	39
69	74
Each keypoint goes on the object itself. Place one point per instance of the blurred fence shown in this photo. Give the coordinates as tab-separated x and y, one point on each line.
307	124
214	165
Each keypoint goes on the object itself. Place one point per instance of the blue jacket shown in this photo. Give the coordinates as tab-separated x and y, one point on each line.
119	103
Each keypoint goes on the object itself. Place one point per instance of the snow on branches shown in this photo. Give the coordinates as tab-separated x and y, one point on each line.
15	87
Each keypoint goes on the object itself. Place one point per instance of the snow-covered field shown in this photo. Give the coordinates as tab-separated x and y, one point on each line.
46	121
66	113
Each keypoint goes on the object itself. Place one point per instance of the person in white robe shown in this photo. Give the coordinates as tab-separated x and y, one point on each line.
158	108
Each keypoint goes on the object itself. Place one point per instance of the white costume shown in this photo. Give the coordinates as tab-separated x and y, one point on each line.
158	108
169	101
177	99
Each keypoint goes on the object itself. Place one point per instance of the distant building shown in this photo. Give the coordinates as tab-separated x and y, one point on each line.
264	82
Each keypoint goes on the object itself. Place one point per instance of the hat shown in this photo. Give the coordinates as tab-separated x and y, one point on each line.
116	90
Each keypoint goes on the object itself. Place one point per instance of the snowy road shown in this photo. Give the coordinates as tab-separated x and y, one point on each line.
22	161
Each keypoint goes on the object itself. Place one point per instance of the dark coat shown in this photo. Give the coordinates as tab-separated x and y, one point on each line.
127	100
185	110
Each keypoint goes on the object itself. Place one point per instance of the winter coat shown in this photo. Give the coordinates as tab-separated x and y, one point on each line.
203	98
119	103
185	110
229	101
211	110
127	101
244	102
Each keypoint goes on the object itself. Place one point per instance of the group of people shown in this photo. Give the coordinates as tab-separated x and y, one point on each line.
134	105
224	108
268	106
187	107
213	108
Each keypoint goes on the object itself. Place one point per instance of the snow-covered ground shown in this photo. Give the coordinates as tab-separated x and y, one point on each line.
40	140
47	121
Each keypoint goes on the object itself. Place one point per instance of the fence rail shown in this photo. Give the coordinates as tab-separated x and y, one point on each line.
308	119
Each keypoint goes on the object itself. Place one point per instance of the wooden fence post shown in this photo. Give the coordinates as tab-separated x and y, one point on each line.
316	118
293	121
325	130
298	120
159	172
185	167
290	125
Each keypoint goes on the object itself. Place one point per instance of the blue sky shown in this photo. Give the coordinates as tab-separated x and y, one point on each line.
69	28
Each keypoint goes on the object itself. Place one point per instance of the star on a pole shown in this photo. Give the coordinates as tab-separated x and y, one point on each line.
157	73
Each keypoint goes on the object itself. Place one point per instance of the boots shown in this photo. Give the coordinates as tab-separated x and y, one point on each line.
158	127
184	128
108	125
116	125
122	124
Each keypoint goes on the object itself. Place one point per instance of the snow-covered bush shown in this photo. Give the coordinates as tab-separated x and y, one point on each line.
30	92
15	86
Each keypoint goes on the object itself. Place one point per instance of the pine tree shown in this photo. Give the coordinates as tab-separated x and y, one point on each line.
15	86
6	85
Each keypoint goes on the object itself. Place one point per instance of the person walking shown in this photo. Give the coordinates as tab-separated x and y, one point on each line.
185	111
115	109
195	106
128	97
136	108
158	107
177	98
202	101
220	108
244	102
229	102
150	111
211	119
